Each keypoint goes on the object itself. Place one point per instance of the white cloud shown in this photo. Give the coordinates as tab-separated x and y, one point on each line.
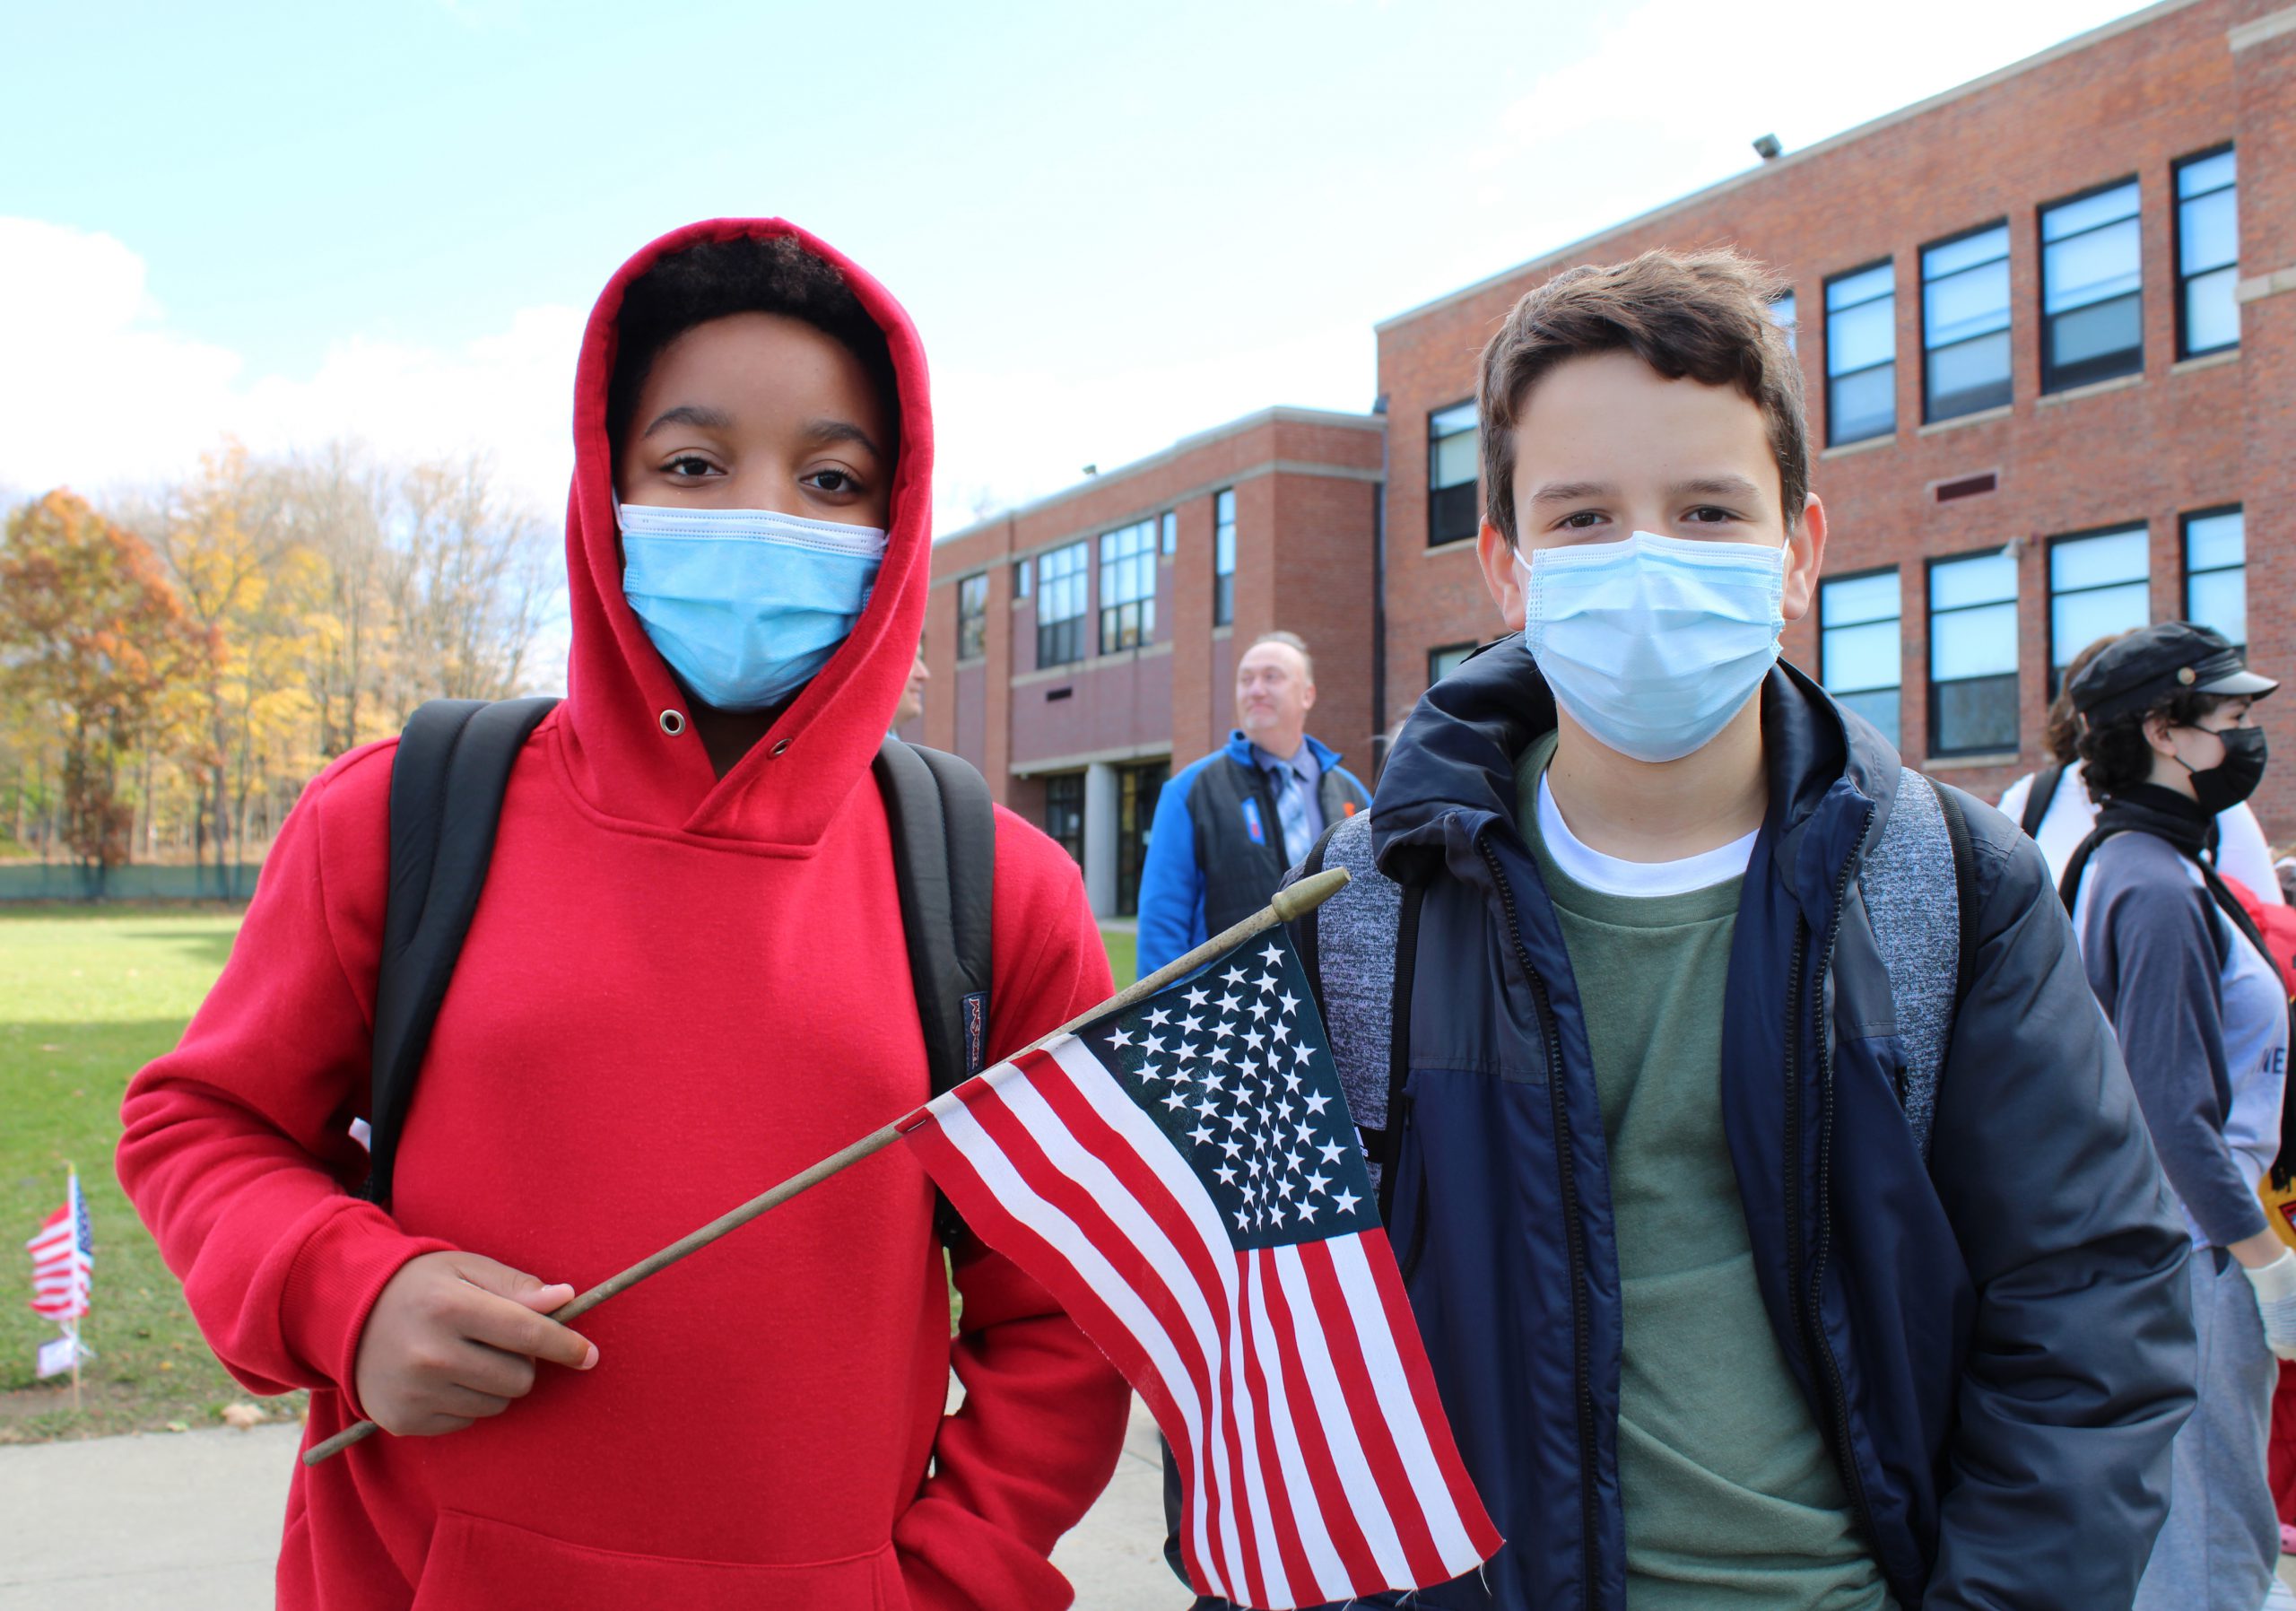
100	391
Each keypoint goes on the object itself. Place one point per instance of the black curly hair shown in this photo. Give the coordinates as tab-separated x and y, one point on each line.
2115	755
715	279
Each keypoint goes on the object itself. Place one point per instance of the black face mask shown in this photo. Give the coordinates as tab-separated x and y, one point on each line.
2234	778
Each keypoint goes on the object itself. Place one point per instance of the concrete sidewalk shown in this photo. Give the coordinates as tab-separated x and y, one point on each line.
190	1522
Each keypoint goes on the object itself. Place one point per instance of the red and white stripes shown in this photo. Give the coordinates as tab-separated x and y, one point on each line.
1290	1380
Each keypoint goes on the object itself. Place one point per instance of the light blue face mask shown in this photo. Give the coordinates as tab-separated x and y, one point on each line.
1653	644
744	603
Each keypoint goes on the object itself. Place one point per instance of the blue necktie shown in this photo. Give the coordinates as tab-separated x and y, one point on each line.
1292	813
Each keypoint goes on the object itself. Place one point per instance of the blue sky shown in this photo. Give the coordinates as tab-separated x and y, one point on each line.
1113	226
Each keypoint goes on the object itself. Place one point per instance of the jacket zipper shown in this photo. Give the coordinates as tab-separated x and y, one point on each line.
1589	1533
1808	1303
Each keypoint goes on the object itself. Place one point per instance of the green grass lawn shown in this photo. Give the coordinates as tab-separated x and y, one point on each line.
88	996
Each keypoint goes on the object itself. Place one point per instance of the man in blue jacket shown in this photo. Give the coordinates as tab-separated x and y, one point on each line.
1768	1187
1228	826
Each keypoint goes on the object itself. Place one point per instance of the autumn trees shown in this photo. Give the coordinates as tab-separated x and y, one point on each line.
174	666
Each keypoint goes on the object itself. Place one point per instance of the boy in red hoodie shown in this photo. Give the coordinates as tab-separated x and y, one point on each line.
686	981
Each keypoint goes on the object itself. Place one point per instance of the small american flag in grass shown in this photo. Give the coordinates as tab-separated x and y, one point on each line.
64	1259
1183	1175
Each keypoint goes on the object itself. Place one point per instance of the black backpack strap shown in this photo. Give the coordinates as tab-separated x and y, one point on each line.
2039	799
945	857
447	780
1965	896
1390	1140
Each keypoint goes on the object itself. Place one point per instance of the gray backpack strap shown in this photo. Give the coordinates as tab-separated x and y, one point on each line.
1354	977
1928	945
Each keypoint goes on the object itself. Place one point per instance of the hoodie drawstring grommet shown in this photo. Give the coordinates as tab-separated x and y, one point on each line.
673	722
781	748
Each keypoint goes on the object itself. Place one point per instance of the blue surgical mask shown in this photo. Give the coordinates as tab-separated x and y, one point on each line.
744	603
1654	643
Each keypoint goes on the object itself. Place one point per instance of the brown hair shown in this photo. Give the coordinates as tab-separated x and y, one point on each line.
2061	736
1702	315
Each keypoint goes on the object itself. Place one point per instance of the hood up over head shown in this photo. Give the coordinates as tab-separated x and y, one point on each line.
781	798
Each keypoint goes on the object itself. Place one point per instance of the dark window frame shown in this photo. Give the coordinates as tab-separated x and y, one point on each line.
2177	202
2050	545
1067	829
972	617
1023	578
1138	786
1224	522
1929	414
1826	312
1128	623
1930	681
1060	639
2185	572
1439	508
1435	653
2052	379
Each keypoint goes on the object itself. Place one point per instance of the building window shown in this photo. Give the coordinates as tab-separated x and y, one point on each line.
2216	575
1127	587
972	617
1781	314
1442	662
1224	557
1022	572
1060	605
1064	813
1861	354
1169	527
1965	323
2098	585
1453	448
1860	660
2093	321
1136	788
1973	653
2208	254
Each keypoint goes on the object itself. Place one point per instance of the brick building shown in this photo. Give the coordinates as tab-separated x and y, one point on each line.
2048	328
1084	645
2049	396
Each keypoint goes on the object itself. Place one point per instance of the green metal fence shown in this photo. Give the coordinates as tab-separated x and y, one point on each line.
66	881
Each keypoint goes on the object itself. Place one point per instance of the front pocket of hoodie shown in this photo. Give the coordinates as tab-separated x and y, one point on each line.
476	1565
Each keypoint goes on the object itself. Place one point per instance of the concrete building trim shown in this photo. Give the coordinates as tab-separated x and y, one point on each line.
1281	415
2258	287
1121	755
2096	389
2248	35
1984	416
1570	252
1070	670
2206	361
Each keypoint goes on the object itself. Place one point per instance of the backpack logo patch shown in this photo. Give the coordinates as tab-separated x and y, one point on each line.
975	1008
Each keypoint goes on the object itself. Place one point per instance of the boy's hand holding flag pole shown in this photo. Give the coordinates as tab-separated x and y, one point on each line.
1181	1172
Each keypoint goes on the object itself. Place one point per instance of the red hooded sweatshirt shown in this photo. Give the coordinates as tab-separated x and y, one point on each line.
677	991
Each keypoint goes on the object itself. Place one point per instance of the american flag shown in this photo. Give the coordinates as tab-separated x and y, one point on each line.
64	1259
1183	1175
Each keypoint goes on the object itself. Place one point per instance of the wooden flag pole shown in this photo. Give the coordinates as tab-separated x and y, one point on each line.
1289	904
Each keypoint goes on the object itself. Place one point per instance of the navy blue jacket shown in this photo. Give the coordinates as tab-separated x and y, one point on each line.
1993	1334
1215	851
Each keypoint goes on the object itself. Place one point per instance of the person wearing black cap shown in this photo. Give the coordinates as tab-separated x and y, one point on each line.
2167	742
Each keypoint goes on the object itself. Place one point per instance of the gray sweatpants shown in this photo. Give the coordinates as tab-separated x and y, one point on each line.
2217	1551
